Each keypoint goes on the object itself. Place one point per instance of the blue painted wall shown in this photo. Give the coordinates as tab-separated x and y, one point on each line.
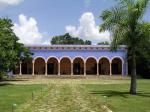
85	54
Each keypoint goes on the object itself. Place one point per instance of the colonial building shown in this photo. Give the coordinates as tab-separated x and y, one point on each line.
75	60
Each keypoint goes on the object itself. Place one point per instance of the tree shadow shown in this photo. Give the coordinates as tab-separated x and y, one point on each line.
5	84
11	80
15	80
112	93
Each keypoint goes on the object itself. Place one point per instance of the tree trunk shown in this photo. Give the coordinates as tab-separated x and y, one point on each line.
133	74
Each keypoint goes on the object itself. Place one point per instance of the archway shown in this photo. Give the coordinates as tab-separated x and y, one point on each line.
104	66
39	66
117	66
91	66
65	66
52	66
26	67
78	66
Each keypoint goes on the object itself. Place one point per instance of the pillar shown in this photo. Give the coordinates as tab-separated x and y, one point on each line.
71	69
46	69
126	68
97	68
58	68
122	68
84	69
110	69
32	67
20	68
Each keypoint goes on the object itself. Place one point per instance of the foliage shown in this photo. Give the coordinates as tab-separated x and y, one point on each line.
67	39
143	53
103	43
11	50
124	21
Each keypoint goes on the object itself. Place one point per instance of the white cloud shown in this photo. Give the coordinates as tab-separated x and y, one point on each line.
5	3
10	2
87	29
27	31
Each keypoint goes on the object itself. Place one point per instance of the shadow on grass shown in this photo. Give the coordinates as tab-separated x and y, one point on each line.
112	93
5	84
14	80
3	80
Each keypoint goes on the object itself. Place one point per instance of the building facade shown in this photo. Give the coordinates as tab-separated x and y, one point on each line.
75	60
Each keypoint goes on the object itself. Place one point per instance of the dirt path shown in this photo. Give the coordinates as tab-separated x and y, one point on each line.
64	98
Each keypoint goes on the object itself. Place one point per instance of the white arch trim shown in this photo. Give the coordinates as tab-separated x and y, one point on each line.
90	57
39	57
104	57
52	57
78	57
121	61
66	57
119	57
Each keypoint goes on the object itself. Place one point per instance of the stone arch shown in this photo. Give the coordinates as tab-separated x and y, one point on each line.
105	57
52	65
104	66
39	57
66	57
91	57
53	57
91	66
118	57
26	66
65	66
78	65
39	65
117	65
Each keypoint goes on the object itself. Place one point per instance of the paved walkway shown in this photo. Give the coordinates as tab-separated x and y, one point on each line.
65	98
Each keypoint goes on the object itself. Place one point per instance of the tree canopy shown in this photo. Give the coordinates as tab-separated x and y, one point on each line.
11	51
103	43
143	53
124	21
67	39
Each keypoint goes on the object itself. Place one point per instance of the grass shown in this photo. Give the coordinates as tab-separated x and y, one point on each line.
119	99
15	94
75	95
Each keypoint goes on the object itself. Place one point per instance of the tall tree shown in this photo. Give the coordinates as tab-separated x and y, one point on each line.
124	21
11	51
67	39
143	53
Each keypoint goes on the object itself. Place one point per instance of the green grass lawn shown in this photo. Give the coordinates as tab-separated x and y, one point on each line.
75	95
118	98
15	94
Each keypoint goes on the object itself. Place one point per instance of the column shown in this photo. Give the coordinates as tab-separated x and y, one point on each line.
71	69
97	68
122	69
32	67
45	69
126	68
110	69
20	68
58	68
84	69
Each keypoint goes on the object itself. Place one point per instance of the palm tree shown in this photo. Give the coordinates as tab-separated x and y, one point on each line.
124	21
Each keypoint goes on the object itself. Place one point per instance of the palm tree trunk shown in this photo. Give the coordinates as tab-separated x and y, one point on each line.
133	74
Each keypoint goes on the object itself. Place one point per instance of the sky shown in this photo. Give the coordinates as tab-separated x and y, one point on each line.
37	21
